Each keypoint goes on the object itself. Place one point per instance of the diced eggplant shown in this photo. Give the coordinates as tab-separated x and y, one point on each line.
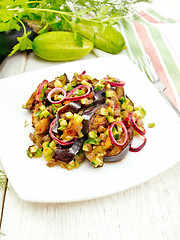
116	153
120	92
65	154
99	96
89	118
73	107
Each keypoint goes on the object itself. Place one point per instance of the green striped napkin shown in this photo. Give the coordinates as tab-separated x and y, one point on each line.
156	35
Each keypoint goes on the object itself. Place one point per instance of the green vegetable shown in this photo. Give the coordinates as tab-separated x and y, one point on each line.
38	153
45	144
45	113
60	46
99	86
103	111
45	15
104	37
126	104
69	115
110	119
47	151
79	92
52	145
97	162
62	122
109	93
78	118
92	134
94	141
141	113
122	100
151	125
29	154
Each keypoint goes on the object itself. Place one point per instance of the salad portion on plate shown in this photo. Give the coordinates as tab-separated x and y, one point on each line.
84	119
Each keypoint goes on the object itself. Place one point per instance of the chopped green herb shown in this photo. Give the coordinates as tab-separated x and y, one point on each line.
92	134
122	100
151	125
38	153
99	87
26	123
38	113
29	154
94	141
79	92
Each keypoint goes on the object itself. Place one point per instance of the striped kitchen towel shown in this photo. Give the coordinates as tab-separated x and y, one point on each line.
156	35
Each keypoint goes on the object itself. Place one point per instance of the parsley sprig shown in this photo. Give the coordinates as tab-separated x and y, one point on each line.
59	15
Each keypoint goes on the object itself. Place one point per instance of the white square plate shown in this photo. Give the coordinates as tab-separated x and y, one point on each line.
34	181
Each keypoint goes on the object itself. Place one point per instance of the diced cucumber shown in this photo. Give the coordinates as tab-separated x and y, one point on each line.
92	134
38	153
52	145
109	93
84	82
69	115
140	112
78	118
43	107
47	151
58	83
103	112
110	119
45	144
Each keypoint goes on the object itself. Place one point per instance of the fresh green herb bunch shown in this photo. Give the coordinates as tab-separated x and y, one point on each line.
59	15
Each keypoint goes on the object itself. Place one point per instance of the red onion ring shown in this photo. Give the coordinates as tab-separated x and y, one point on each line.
120	83
79	97
56	139
83	73
59	89
40	89
132	149
134	125
112	137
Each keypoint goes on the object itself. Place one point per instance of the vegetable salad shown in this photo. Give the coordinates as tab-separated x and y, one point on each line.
84	119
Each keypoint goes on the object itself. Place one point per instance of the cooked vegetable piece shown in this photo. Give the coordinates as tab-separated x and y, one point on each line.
66	155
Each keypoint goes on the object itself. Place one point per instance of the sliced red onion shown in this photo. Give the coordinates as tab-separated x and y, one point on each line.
134	125
40	89
117	83
137	149
113	140
56	139
83	73
57	89
79	97
126	122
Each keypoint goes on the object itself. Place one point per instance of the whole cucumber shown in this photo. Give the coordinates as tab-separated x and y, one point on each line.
60	46
105	38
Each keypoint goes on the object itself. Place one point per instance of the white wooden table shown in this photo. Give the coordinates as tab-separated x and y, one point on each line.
149	211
